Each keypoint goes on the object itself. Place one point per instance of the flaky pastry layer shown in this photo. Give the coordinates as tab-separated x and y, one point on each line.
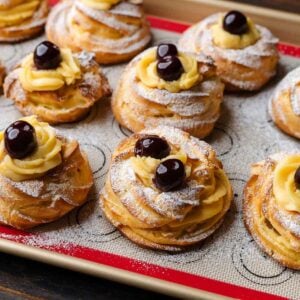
275	229
30	203
196	110
28	28
240	69
67	104
115	35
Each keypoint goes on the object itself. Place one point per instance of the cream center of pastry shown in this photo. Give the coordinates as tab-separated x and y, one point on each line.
18	12
285	191
66	73
46	156
146	71
226	40
144	167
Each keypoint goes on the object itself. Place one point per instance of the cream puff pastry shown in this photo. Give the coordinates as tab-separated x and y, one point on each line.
42	176
272	207
165	189
169	88
20	20
245	54
114	30
284	106
55	84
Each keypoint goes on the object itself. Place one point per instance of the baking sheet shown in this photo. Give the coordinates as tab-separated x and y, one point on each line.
244	134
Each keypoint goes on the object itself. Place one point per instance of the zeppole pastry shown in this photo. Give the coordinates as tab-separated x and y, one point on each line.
20	20
162	86
165	189
55	84
245	53
115	30
42	176
285	104
272	207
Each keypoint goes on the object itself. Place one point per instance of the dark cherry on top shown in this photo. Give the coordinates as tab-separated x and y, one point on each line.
152	146
164	50
169	66
46	56
235	23
297	178
20	139
169	175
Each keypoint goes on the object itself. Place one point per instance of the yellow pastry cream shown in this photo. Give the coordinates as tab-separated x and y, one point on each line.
145	166
100	4
284	188
147	73
33	79
18	12
226	40
212	198
46	156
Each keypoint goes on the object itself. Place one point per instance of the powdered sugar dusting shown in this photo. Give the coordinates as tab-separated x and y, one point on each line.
103	17
132	37
170	204
291	82
250	56
196	106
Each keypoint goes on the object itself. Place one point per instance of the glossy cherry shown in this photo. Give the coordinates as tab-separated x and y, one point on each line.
46	56
297	178
153	146
169	175
170	68
20	139
164	50
235	22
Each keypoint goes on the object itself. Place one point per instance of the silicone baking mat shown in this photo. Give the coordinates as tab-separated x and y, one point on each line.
229	263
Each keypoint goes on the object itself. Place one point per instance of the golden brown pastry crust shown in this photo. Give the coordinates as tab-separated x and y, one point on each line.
147	221
244	69
29	28
285	104
92	87
122	36
30	203
274	229
196	111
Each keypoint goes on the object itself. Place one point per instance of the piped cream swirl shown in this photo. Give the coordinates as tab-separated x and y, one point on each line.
147	73
33	79
46	157
284	188
15	14
225	39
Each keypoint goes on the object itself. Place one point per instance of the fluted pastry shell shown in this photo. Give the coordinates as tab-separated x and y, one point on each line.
31	27
57	106
196	110
33	202
275	229
167	220
240	69
115	36
284	106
